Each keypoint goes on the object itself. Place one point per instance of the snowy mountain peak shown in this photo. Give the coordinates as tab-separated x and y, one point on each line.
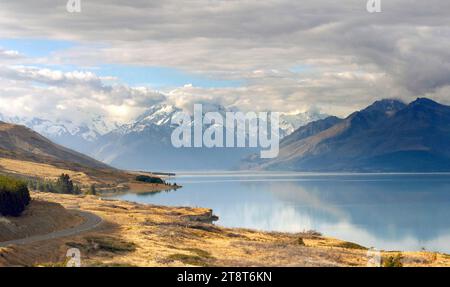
158	114
59	128
290	122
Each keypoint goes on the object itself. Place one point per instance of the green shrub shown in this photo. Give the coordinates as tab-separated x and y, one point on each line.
63	185
92	190
14	196
149	179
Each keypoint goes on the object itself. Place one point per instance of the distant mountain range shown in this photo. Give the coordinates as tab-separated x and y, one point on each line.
145	143
21	143
387	136
80	137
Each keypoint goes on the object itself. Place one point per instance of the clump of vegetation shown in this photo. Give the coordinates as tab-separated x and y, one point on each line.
351	245
92	190
301	242
112	264
62	185
14	196
65	184
310	234
188	259
149	179
200	252
393	261
59	264
201	258
111	244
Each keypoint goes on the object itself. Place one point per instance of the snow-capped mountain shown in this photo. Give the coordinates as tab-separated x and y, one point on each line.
290	122
145	143
157	115
161	115
80	137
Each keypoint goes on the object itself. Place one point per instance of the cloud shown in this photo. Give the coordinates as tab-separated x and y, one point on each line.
77	95
350	57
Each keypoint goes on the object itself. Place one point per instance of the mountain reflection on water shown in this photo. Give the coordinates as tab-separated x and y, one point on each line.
385	211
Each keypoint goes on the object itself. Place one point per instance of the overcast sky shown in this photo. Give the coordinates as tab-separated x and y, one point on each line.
117	57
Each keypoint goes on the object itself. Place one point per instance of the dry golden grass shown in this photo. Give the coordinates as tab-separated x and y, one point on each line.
40	217
105	180
145	235
41	170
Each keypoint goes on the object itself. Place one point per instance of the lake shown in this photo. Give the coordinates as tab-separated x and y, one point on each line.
386	211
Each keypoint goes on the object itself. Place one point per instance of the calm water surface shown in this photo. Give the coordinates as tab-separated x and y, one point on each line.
385	211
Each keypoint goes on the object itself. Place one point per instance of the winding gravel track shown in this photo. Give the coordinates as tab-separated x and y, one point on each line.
91	222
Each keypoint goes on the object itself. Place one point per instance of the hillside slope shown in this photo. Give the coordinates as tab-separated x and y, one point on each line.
19	142
26	153
388	136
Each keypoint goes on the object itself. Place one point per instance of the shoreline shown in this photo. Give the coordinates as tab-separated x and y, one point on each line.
133	234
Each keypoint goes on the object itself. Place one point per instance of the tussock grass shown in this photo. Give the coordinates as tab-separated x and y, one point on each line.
198	258
111	244
393	260
351	245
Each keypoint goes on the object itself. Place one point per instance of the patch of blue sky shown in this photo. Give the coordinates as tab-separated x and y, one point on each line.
31	47
298	69
39	85
160	77
156	77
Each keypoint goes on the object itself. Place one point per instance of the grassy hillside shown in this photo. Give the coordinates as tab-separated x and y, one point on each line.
26	154
19	142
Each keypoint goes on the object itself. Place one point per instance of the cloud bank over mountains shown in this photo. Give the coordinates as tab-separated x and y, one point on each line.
286	56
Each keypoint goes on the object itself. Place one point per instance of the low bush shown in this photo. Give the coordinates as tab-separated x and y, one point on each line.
62	185
393	261
351	245
14	196
149	179
111	244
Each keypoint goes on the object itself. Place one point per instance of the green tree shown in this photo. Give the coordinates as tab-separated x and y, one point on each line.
92	190
65	184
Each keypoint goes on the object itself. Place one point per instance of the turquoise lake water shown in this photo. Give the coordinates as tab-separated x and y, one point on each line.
384	211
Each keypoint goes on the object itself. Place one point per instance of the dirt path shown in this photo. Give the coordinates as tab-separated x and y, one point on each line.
91	221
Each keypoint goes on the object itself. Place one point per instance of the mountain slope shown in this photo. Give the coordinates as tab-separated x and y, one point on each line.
146	143
291	122
386	136
25	153
19	142
80	137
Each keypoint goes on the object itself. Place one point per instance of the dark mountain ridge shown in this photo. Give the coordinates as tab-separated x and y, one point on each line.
387	136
